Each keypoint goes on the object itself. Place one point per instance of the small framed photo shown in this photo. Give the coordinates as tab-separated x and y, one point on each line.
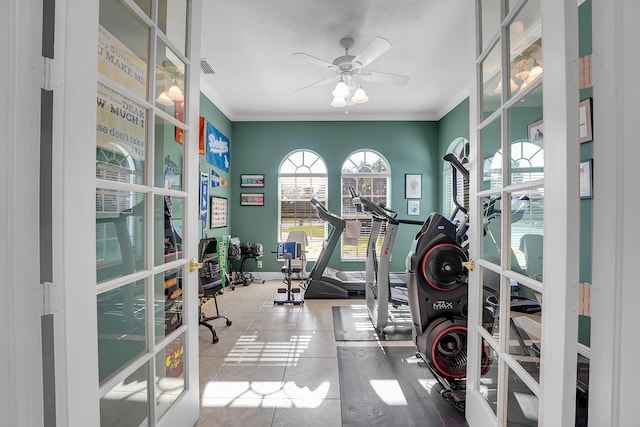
586	179
413	207
219	212
536	132
252	199
584	114
251	180
412	185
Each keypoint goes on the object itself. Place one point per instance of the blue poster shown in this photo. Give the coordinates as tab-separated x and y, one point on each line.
204	195
217	148
215	179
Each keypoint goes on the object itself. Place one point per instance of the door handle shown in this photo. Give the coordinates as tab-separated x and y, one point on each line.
194	265
469	265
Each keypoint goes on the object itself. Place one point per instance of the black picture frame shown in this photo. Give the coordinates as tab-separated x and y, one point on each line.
586	179
413	186
252	180
218	211
585	130
251	199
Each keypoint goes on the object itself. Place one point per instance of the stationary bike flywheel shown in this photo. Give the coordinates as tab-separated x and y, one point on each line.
447	347
442	267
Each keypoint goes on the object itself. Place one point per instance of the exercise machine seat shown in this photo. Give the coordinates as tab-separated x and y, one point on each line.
299	264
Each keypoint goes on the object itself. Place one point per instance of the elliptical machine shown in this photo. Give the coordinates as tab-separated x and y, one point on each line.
437	279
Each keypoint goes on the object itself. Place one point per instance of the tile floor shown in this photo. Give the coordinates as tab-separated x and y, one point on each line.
275	365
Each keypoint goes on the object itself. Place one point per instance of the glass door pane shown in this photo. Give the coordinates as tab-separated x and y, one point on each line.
491	81
142	213
510	228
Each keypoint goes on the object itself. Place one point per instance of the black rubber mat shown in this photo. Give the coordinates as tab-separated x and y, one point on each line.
385	386
352	323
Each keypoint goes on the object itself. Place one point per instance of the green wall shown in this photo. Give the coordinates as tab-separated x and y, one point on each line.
455	124
214	116
410	147
259	147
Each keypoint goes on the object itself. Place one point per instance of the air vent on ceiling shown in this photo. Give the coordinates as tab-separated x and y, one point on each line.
206	67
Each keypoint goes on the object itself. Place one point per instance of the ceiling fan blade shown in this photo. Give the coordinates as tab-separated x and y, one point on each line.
377	47
317	61
384	78
318	83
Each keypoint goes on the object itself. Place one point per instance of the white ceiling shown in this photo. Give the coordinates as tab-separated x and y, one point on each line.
250	45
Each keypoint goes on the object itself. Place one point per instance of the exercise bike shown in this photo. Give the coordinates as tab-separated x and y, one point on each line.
288	251
437	286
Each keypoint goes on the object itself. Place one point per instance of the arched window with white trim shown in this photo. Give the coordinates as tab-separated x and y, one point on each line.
369	174
302	176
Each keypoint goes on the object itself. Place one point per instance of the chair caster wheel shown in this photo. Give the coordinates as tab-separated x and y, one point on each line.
229	322
215	339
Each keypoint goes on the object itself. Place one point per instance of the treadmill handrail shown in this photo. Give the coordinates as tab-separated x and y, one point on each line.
380	211
325	215
451	158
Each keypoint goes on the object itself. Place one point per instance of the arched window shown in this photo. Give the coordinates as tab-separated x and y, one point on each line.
527	165
459	147
302	176
368	172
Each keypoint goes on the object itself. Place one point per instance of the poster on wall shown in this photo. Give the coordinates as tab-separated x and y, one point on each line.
174	358
217	148
201	137
179	133
217	180
119	64
120	126
219	209
223	247
204	195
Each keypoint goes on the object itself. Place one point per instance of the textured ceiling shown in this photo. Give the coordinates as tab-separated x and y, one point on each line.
250	45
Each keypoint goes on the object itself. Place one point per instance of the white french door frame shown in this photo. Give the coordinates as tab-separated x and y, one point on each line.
21	71
615	343
557	387
58	386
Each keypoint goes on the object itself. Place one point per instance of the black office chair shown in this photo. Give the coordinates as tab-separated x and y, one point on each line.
209	283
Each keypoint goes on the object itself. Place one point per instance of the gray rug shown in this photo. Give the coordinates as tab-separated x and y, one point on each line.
385	386
352	323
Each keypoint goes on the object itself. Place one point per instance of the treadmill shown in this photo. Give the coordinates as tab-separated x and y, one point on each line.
325	282
382	287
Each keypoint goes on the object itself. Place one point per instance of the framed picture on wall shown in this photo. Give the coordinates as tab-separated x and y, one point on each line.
219	211
586	179
413	207
536	132
252	180
412	185
252	199
584	114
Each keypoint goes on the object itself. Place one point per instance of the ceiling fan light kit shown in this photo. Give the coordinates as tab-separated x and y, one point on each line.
338	102
349	70
164	99
175	93
525	68
360	97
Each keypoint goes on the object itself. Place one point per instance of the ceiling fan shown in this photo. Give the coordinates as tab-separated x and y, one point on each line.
350	71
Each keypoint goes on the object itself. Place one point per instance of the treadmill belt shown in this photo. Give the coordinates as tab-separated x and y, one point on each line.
386	386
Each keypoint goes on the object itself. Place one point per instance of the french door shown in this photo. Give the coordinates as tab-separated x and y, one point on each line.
524	151
146	220
123	300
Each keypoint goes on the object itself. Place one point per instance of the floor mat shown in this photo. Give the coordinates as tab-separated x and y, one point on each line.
352	323
385	386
